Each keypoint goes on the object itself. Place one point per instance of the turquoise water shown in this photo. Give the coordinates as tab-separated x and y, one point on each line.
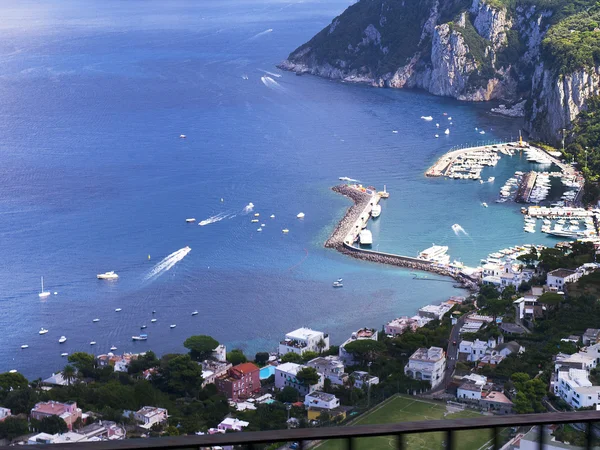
266	372
95	95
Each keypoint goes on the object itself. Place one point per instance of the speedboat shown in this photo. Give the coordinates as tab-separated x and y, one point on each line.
300	215
118	310
143	327
107	275
337	284
64	354
195	313
272	216
259	229
43	331
113	348
256	214
153	320
484	204
285	231
172	326
190	220
24	346
182	136
62	340
96	320
141	337
93	343
262	225
254	221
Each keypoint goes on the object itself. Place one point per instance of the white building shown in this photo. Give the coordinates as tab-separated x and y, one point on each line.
230	423
435	311
320	399
149	416
469	391
65	438
591	336
331	367
4	413
362	334
575	388
474	350
401	324
427	365
304	340
285	375
579	360
527	307
362	379
220	353
557	279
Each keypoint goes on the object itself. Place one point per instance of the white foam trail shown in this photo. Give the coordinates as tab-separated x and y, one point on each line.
168	262
249	207
213	219
458	230
269	82
276	75
262	33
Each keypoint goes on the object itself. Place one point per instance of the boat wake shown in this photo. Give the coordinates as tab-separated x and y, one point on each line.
167	263
271	83
249	207
262	33
213	219
458	230
276	75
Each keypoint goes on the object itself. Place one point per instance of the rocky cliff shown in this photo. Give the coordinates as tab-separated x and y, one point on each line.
471	50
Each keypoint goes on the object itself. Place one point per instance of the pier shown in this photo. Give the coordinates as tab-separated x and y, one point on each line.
346	232
525	188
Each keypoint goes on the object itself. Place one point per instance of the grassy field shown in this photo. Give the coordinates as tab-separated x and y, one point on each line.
405	409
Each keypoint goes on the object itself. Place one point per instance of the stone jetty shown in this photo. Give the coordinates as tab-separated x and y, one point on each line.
340	241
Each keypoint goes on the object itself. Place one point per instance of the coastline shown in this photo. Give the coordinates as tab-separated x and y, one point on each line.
337	241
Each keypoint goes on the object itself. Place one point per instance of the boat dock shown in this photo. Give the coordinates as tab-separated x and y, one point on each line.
468	162
526	186
346	232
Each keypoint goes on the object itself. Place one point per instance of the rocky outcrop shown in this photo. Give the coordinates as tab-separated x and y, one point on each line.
491	23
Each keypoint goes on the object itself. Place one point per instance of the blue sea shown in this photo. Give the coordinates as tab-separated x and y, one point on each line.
94	177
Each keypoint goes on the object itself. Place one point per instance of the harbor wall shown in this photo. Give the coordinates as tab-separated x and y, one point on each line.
339	240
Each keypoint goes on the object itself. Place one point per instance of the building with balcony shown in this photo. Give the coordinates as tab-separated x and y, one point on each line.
436	312
427	365
404	323
285	375
557	279
318	399
331	367
149	416
363	379
304	340
240	382
211	370
69	412
362	334
575	388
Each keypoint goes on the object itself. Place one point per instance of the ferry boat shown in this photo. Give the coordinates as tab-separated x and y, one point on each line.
376	211
436	253
43	331
141	337
107	275
365	237
62	340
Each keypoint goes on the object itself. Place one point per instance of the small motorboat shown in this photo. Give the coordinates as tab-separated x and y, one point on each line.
24	346
107	275
12	371
154	312
118	310
300	215
285	231
337	284
190	220
153	320
437	135
272	216
141	337
93	343
172	326
43	331
259	229
64	354
484	204
262	225
96	320
113	348
62	340
182	136
256	214
143	327
254	221
195	313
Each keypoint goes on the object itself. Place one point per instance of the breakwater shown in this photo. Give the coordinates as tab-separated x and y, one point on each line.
341	240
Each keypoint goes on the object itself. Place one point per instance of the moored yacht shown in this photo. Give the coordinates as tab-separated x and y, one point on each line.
195	313
141	337
107	275
43	331
435	253
43	294
365	237
62	340
376	211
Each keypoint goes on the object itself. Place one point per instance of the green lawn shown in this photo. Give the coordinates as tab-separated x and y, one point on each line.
405	409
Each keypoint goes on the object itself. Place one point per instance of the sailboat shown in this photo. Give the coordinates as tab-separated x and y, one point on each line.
44	294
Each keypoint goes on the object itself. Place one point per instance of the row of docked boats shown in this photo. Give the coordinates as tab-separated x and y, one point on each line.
510	254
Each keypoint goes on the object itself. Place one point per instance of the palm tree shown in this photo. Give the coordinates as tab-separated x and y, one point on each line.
69	374
321	345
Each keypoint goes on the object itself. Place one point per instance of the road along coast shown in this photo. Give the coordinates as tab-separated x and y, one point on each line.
344	235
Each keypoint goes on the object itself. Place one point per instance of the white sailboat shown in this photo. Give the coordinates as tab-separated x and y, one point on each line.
44	294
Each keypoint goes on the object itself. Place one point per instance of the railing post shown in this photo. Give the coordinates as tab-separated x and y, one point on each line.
589	438
349	443
449	443
399	442
541	437
301	445
496	438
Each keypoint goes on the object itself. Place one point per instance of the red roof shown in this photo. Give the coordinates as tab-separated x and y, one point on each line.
245	368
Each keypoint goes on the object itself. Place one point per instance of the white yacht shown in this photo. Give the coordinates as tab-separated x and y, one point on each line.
153	320
93	343
141	337
190	220
113	348
435	253
107	275
300	215
118	310
96	320
172	326
24	346
62	340
447	131
64	354
43	331
365	237
376	211
195	313
43	294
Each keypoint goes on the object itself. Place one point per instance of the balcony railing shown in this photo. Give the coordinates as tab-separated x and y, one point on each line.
306	437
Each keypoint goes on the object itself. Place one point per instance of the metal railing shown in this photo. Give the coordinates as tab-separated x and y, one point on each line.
306	437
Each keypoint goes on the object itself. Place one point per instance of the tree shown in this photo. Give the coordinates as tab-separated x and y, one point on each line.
200	346
364	350
142	363
550	299
11	381
69	373
496	307
236	356
321	345
52	425
308	355
288	395
291	357
508	292
12	427
307	376
261	358
84	363
180	375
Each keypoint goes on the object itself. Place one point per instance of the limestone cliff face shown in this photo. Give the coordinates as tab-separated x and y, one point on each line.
466	49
